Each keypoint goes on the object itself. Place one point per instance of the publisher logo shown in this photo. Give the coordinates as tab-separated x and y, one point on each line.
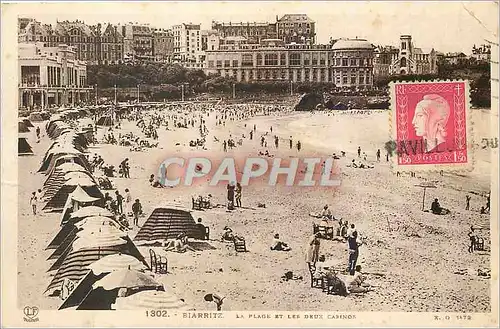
30	313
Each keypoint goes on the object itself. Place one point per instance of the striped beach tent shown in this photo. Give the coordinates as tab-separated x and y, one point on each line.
167	223
23	147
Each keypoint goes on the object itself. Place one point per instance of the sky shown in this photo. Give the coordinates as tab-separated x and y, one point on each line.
444	26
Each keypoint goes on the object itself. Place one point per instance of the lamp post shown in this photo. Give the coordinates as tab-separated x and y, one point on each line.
115	95
138	93
96	98
291	87
234	90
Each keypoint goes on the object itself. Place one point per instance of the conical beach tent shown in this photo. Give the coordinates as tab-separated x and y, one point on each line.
23	147
167	223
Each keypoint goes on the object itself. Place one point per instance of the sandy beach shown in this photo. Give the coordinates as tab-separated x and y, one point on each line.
417	252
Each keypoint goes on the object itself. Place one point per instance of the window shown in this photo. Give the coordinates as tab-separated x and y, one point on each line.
344	61
250	75
322	59
247	60
307	59
210	63
344	79
353	62
235	63
299	75
283	74
271	59
294	59
403	45
306	75
219	63
403	61
314	59
353	79
259	59
227	63
283	59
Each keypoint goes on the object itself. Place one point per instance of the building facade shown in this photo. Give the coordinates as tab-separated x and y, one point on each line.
254	32
94	44
137	42
272	60
382	60
188	45
352	63
51	76
413	60
482	53
163	45
296	28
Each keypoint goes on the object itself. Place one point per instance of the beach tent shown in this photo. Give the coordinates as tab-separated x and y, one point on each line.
61	158
67	225
67	233
22	127
62	169
23	147
98	270
87	251
58	200
28	123
105	236
150	299
52	186
309	101
167	223
36	117
106	120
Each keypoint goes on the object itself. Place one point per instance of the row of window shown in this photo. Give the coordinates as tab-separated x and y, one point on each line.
353	61
319	75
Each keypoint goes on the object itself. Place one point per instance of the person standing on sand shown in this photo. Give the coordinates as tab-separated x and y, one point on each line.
299	146
472	238
276	141
238	195
230	196
224	144
378	155
136	209
312	254
353	246
119	201
128	201
33	202
359	151
291	143
467	200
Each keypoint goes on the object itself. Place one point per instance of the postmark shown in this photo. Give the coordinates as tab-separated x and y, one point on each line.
430	126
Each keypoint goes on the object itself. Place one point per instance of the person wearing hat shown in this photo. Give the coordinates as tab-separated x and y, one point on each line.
136	209
228	234
312	253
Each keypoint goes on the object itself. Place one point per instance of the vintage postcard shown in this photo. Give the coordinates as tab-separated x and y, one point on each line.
249	164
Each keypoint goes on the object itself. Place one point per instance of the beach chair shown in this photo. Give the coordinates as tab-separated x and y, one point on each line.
315	282
239	244
159	264
326	232
196	204
479	244
207	233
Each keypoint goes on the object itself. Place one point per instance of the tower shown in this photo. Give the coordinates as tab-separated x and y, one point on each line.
405	54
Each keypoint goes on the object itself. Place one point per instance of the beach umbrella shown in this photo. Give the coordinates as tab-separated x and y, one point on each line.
91	211
116	262
150	299
425	186
127	278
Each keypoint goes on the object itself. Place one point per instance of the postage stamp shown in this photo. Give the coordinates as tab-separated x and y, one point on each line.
249	164
431	125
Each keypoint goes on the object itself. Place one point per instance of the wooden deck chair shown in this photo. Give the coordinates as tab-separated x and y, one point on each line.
479	244
315	282
159	264
196	204
239	245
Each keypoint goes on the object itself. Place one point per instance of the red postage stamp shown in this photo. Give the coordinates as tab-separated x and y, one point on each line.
430	125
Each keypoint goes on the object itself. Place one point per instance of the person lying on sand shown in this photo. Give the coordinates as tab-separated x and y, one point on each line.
436	208
279	245
180	244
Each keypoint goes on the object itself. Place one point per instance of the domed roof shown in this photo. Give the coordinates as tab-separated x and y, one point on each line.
352	44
